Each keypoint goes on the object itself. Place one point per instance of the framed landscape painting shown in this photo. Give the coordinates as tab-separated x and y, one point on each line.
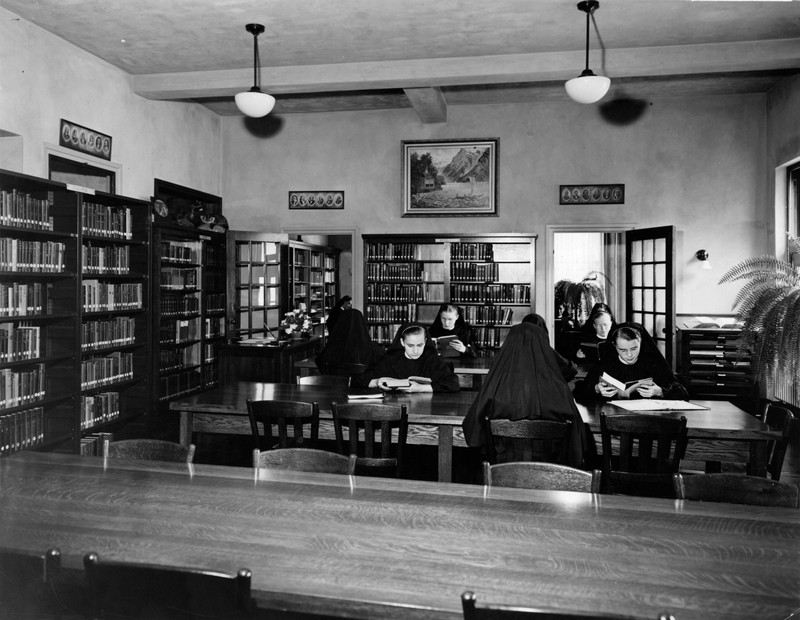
449	177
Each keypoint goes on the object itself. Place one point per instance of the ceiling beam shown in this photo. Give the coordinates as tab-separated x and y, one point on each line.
501	69
429	104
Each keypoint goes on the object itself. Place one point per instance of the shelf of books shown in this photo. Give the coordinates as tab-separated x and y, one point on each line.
312	280
74	344
189	293
490	277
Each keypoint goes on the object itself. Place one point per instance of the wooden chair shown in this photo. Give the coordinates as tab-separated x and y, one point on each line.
369	435
149	450
473	611
305	459
543	476
128	590
284	415
28	584
778	419
528	440
635	469
737	489
326	380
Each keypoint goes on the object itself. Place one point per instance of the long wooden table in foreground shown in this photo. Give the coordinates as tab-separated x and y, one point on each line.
720	433
374	548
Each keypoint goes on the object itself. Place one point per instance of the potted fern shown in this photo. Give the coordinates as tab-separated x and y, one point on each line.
769	307
574	300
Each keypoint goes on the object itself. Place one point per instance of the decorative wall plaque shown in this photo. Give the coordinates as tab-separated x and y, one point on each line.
85	140
591	194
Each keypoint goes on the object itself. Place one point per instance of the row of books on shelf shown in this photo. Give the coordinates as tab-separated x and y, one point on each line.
177	279
403	251
394	313
21	430
119	331
172	305
21	387
464	250
183	330
488	336
476	272
101	296
170	360
114	259
19	342
180	252
92	444
179	384
23	210
22	298
31	256
214	255
99	409
214	279
215	327
395	271
485	315
433	293
111	368
383	334
216	302
106	221
210	376
210	353
492	293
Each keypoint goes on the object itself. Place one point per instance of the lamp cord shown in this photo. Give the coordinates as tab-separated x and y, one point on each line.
588	13
255	60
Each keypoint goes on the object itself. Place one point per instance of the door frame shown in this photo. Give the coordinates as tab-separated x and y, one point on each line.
549	280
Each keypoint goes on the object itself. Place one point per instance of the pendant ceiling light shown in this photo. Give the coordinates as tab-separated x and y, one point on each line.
253	102
588	87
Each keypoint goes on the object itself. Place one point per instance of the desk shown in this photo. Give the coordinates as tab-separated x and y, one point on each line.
375	548
435	419
260	362
432	417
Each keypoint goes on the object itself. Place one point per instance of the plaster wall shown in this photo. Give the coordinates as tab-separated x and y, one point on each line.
44	79
697	164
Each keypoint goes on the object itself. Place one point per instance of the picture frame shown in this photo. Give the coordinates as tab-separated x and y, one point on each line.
85	140
450	178
308	199
591	194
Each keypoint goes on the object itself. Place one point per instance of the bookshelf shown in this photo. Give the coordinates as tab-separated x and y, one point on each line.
74	345
188	294
311	274
407	278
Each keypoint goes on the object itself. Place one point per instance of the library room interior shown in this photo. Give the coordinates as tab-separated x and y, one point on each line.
376	309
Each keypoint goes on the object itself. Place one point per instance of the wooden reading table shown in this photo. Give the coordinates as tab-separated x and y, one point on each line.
374	548
435	419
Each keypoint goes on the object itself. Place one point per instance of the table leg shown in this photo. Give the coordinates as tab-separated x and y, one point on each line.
187	422
445	453
758	459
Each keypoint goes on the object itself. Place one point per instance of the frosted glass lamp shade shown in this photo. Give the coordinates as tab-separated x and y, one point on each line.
588	88
254	103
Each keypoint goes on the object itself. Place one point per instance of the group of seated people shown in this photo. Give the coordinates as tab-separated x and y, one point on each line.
527	378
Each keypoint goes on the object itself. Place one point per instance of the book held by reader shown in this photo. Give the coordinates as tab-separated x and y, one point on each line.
627	385
443	345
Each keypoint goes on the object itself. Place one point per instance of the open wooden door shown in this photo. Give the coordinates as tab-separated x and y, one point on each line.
650	284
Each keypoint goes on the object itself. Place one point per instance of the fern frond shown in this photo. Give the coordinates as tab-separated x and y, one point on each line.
767	265
754	289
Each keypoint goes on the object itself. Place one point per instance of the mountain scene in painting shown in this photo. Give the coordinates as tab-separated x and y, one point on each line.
445	178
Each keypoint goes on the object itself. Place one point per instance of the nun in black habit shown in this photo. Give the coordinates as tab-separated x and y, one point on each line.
349	342
525	382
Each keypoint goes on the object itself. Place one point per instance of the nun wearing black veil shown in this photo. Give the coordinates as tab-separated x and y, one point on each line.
349	343
525	382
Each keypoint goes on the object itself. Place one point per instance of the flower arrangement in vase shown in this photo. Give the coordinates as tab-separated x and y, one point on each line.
296	324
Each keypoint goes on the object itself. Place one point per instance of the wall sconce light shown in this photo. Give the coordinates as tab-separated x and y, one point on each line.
588	87
253	102
702	256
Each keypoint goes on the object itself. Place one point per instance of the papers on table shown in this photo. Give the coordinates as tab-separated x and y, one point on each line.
366	396
653	404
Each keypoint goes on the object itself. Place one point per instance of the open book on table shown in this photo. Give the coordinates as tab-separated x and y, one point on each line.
399	384
366	395
653	404
628	386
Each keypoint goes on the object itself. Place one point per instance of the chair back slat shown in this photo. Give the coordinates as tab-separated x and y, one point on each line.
370	428
298	417
305	459
527	440
542	476
149	450
632	467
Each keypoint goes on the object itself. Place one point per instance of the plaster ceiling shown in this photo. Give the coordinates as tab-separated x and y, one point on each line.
323	55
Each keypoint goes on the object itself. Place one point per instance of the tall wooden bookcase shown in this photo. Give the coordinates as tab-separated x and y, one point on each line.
490	277
189	294
311	274
74	334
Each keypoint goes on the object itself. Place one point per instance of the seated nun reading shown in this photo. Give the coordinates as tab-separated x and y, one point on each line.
455	334
349	342
413	360
630	366
525	382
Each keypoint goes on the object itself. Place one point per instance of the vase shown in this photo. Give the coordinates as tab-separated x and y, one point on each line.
295	336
